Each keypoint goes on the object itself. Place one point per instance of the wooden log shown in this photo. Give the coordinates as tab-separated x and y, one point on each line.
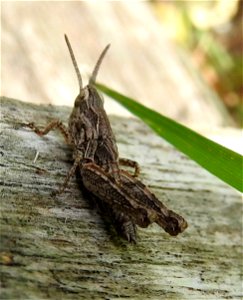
60	248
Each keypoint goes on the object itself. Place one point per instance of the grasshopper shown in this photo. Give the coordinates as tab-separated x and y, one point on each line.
95	154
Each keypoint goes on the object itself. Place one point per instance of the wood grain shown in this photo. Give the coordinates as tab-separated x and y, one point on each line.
61	248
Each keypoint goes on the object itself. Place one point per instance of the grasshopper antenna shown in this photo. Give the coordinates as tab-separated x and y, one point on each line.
80	82
97	66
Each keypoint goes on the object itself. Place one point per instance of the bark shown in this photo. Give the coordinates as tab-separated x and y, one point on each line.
60	248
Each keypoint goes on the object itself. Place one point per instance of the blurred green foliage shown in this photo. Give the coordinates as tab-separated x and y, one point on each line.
220	161
212	32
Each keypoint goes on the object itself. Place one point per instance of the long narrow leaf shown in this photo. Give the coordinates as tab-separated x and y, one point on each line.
220	161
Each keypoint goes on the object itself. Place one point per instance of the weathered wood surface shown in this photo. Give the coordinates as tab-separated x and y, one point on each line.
142	62
60	248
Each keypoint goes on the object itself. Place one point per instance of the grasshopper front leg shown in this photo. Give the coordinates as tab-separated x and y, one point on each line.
55	124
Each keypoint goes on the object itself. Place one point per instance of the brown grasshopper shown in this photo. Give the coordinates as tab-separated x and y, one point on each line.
95	154
90	134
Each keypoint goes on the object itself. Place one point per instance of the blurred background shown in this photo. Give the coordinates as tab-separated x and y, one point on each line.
212	32
181	58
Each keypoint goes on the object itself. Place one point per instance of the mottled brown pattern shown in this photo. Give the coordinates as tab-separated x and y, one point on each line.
95	153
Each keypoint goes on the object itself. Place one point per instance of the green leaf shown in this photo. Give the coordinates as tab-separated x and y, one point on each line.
220	161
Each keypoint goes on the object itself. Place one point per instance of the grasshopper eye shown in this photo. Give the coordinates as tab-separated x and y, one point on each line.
77	101
86	93
83	96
